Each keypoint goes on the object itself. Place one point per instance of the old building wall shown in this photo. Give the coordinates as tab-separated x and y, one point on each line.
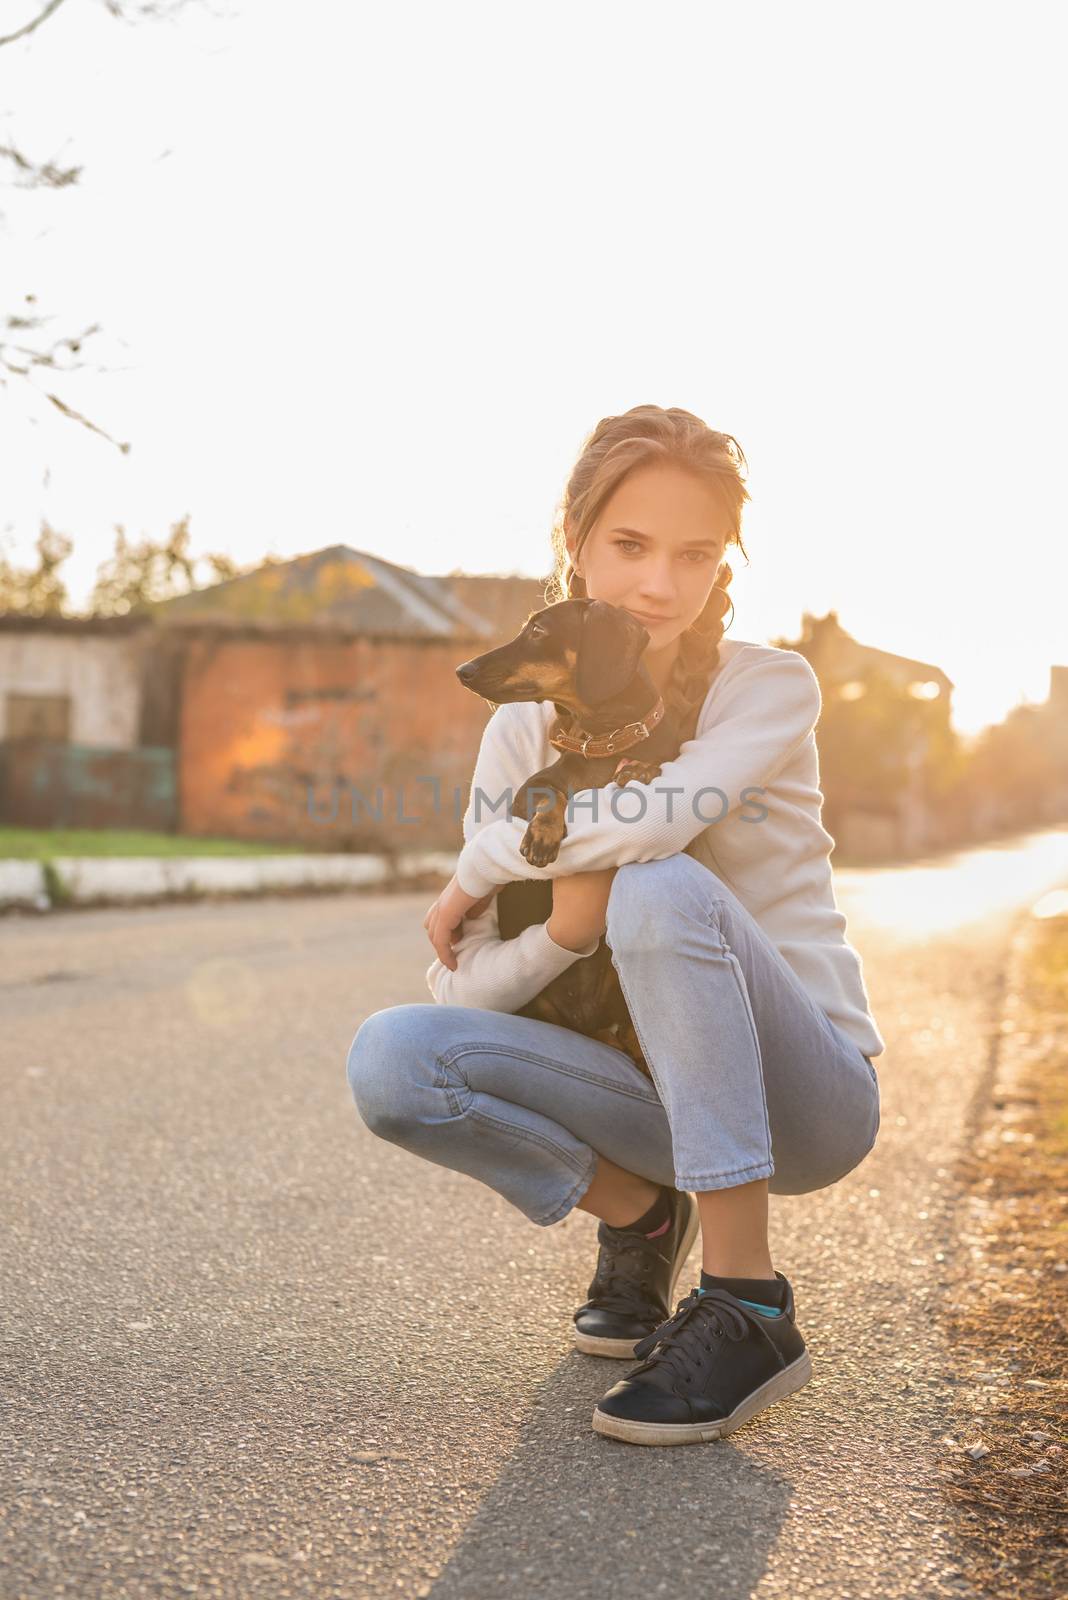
292	739
98	676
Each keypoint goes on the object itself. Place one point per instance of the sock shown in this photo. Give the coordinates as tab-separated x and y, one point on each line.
656	1220
765	1294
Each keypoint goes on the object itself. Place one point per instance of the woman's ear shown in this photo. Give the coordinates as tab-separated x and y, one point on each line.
610	648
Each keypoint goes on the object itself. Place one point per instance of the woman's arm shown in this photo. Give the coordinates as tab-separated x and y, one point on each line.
763	714
493	973
499	974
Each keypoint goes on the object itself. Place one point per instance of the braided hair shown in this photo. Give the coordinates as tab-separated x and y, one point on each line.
642	436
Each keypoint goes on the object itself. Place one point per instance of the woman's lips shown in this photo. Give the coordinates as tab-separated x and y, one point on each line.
643	616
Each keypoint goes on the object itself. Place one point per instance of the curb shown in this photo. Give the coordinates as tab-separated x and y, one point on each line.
22	883
65	881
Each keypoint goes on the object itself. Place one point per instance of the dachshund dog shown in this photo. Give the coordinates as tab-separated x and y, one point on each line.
611	725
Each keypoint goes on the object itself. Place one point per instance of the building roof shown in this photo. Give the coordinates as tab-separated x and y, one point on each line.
841	655
338	587
506	600
23	622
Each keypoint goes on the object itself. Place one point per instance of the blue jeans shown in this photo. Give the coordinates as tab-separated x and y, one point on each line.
752	1078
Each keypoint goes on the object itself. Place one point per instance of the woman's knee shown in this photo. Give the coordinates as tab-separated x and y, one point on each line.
825	1163
647	898
383	1065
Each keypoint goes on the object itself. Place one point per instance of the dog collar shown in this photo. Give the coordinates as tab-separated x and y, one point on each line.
606	744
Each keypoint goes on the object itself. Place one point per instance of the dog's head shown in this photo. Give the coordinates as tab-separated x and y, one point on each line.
578	653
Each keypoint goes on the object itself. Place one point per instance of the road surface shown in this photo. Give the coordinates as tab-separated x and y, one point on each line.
248	1349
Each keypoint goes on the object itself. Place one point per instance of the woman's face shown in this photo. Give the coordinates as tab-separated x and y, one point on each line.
656	550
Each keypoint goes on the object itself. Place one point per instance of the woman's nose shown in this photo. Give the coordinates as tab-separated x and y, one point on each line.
659	597
659	588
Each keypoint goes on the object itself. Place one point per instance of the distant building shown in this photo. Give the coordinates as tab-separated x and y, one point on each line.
276	706
338	587
75	750
1055	716
839	659
505	602
864	822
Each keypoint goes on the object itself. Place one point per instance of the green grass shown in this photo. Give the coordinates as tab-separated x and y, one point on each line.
43	844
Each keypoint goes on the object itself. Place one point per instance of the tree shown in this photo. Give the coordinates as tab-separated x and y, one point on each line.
39	592
136	578
1017	772
140	574
882	749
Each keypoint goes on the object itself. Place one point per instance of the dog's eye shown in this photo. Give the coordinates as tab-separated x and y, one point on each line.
536	630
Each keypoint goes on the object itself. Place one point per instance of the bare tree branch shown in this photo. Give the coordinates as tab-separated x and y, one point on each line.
54	356
44	176
76	416
53	5
23	358
156	9
123	10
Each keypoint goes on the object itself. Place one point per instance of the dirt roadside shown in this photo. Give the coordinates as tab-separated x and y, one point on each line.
1005	1468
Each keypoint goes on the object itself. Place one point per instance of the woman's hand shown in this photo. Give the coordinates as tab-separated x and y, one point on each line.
443	921
579	914
580	907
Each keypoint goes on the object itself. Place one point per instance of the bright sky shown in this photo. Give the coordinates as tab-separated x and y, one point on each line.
371	274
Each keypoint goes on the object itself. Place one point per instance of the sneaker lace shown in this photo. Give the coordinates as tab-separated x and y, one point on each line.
621	1281
676	1346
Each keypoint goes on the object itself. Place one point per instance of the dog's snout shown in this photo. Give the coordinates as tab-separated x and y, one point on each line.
466	672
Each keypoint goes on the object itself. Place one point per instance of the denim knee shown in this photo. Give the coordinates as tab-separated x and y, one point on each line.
647	896
376	1070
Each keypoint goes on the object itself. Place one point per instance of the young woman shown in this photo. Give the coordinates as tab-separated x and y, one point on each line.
716	895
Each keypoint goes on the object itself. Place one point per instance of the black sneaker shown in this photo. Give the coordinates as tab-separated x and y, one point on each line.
712	1366
634	1285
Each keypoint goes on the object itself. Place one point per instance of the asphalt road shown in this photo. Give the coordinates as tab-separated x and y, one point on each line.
248	1349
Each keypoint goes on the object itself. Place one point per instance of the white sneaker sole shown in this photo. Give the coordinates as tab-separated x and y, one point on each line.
776	1388
623	1349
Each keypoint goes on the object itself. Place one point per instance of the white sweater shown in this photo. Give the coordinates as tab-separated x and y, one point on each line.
745	801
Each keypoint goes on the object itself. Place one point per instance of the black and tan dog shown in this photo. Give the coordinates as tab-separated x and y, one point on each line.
611	725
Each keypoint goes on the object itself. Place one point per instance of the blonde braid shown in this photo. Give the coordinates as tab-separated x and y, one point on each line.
698	658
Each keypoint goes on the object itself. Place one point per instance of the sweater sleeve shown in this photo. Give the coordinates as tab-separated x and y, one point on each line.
492	973
759	718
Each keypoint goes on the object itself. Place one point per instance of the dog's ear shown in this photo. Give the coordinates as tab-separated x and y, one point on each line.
610	647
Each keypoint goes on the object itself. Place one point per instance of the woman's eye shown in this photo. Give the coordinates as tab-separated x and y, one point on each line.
701	554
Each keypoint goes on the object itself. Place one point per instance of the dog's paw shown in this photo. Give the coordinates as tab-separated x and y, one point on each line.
538	847
636	772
